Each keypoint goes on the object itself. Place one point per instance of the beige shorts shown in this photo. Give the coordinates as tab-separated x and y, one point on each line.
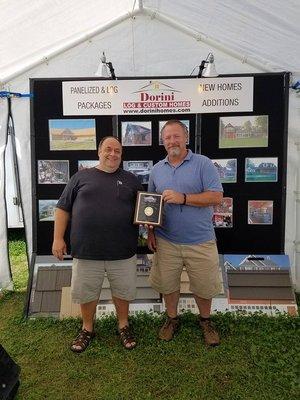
200	260
88	276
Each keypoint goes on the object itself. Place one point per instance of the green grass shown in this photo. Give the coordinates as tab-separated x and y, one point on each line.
261	178
18	259
243	142
258	358
89	144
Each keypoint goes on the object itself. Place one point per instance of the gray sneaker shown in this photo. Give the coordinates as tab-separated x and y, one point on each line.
168	329
211	336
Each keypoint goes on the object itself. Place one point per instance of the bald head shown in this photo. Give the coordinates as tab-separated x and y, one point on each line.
105	138
110	153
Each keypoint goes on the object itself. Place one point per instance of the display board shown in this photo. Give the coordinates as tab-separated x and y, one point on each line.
62	145
248	149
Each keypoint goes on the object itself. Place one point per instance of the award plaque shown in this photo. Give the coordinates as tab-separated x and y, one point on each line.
148	209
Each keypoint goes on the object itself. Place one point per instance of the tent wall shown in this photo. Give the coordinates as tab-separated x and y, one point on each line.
144	47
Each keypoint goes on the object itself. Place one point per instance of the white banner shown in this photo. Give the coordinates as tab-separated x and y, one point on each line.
161	96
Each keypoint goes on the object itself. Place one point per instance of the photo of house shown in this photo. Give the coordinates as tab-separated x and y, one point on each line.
46	210
260	212
256	262
186	122
53	172
244	131
227	169
141	169
261	169
83	164
259	283
136	133
222	216
72	134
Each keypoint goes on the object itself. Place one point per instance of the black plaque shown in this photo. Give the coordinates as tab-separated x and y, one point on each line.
148	209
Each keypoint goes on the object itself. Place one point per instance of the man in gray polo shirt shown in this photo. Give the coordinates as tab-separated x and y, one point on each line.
190	186
100	203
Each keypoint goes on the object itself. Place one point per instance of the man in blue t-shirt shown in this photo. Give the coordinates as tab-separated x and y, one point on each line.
190	186
100	204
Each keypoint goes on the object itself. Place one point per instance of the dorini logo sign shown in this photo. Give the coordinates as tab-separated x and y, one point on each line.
167	96
157	96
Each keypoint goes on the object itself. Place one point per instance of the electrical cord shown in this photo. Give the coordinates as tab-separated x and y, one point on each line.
5	203
11	133
201	66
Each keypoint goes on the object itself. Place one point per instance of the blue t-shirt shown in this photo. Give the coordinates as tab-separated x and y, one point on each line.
183	223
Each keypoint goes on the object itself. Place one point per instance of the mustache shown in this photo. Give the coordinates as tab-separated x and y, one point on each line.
174	150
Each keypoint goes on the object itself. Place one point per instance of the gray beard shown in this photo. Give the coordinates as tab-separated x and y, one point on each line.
174	151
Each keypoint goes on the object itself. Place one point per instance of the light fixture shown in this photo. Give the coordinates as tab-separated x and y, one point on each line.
207	67
105	69
102	69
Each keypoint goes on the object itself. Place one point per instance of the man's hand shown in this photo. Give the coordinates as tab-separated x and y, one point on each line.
170	196
59	248
151	240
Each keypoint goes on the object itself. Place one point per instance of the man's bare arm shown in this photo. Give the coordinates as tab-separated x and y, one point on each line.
59	247
151	239
203	199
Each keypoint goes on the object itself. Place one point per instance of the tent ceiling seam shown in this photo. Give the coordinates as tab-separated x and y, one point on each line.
265	66
153	14
40	59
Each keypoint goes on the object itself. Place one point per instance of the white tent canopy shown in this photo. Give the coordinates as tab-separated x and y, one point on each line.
64	38
261	31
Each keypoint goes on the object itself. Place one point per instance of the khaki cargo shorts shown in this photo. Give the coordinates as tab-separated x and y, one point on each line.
200	260
88	276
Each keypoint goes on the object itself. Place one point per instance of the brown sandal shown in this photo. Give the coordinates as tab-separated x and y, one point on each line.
127	338
82	340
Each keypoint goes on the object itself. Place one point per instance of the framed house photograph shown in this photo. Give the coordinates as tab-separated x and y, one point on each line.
227	169
141	169
83	164
260	212
243	131
136	133
72	134
186	122
51	172
148	209
261	169
223	214
46	210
